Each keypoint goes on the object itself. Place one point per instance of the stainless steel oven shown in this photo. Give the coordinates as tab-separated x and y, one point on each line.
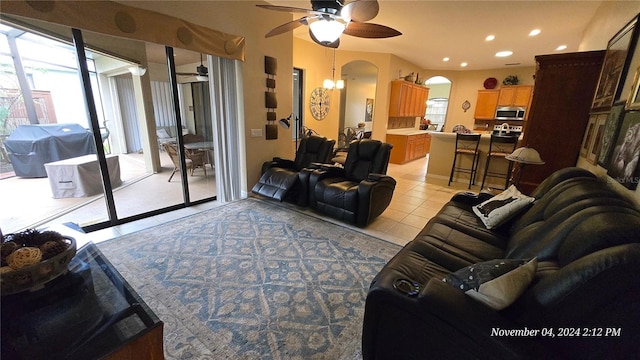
510	113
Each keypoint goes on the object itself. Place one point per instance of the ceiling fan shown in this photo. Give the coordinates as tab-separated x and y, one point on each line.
328	19
201	71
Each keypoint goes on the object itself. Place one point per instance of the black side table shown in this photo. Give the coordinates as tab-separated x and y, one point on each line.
89	313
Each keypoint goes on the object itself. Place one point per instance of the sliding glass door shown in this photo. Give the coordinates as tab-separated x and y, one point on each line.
118	96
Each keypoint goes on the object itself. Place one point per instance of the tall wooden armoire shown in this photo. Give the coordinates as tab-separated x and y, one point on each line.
564	88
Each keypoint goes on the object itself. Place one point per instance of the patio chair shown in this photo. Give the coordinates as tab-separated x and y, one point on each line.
197	153
193	160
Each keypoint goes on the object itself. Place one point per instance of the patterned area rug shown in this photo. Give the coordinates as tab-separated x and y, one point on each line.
253	280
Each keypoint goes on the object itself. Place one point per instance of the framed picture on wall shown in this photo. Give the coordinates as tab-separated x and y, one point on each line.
624	165
596	144
616	65
633	102
588	136
368	110
610	134
628	82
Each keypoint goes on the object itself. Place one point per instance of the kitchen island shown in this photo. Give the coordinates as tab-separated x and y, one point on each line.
441	159
408	144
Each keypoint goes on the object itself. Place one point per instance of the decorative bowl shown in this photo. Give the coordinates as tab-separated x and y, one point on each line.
490	83
35	276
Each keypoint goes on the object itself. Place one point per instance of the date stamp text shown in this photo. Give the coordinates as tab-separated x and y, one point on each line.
558	332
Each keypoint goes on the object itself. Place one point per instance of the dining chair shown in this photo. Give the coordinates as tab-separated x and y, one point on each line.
193	161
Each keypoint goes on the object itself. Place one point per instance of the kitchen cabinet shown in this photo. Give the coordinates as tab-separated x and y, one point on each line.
407	99
515	95
559	112
408	147
486	104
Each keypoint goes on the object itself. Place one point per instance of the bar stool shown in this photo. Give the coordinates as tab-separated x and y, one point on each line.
466	144
499	147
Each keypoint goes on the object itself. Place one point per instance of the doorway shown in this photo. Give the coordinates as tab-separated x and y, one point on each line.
357	101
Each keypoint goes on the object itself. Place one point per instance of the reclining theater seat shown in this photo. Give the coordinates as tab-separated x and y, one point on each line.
586	238
358	192
280	178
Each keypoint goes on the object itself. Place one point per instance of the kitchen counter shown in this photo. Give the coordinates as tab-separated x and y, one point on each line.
483	135
441	157
411	131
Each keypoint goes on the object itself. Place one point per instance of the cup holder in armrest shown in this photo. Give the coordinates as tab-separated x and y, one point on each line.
408	287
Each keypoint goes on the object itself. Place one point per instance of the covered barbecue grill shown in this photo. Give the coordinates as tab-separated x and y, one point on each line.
31	146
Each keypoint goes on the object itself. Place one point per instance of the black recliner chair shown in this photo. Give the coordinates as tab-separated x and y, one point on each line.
281	178
358	192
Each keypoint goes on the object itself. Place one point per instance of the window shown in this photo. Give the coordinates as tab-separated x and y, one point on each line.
437	110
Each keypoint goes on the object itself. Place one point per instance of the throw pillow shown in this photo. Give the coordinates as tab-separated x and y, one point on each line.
496	283
500	208
162	134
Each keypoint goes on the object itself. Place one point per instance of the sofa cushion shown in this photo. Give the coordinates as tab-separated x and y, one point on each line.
562	195
496	283
502	207
454	246
461	217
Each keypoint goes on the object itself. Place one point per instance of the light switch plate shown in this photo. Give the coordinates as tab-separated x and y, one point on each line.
256	132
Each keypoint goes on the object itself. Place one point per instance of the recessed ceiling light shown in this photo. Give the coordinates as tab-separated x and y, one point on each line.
561	47
445	59
464	64
504	53
490	38
534	32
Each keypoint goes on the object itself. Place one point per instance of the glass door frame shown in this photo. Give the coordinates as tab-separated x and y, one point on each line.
95	127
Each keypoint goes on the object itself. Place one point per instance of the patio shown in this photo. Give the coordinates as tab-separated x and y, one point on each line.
28	202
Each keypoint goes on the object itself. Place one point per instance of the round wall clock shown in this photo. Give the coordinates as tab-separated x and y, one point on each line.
319	103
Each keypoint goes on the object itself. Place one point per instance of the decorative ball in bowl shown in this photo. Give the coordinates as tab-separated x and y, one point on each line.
31	259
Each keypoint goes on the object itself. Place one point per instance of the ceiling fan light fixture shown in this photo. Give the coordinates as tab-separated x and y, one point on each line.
202	70
327	31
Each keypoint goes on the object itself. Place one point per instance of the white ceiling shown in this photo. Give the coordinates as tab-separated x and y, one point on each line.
432	30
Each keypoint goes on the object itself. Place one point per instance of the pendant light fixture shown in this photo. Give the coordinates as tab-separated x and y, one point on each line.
331	84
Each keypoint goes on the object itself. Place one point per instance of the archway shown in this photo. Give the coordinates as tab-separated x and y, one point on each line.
357	99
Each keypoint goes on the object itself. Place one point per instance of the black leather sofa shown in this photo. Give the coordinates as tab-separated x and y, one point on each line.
583	303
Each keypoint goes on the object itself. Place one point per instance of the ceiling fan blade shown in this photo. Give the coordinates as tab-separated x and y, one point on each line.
360	10
333	45
291	9
370	31
287	27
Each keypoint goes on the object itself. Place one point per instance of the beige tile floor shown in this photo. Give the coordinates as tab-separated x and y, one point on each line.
414	202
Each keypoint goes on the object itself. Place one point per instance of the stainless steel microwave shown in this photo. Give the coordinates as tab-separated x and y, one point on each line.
510	113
